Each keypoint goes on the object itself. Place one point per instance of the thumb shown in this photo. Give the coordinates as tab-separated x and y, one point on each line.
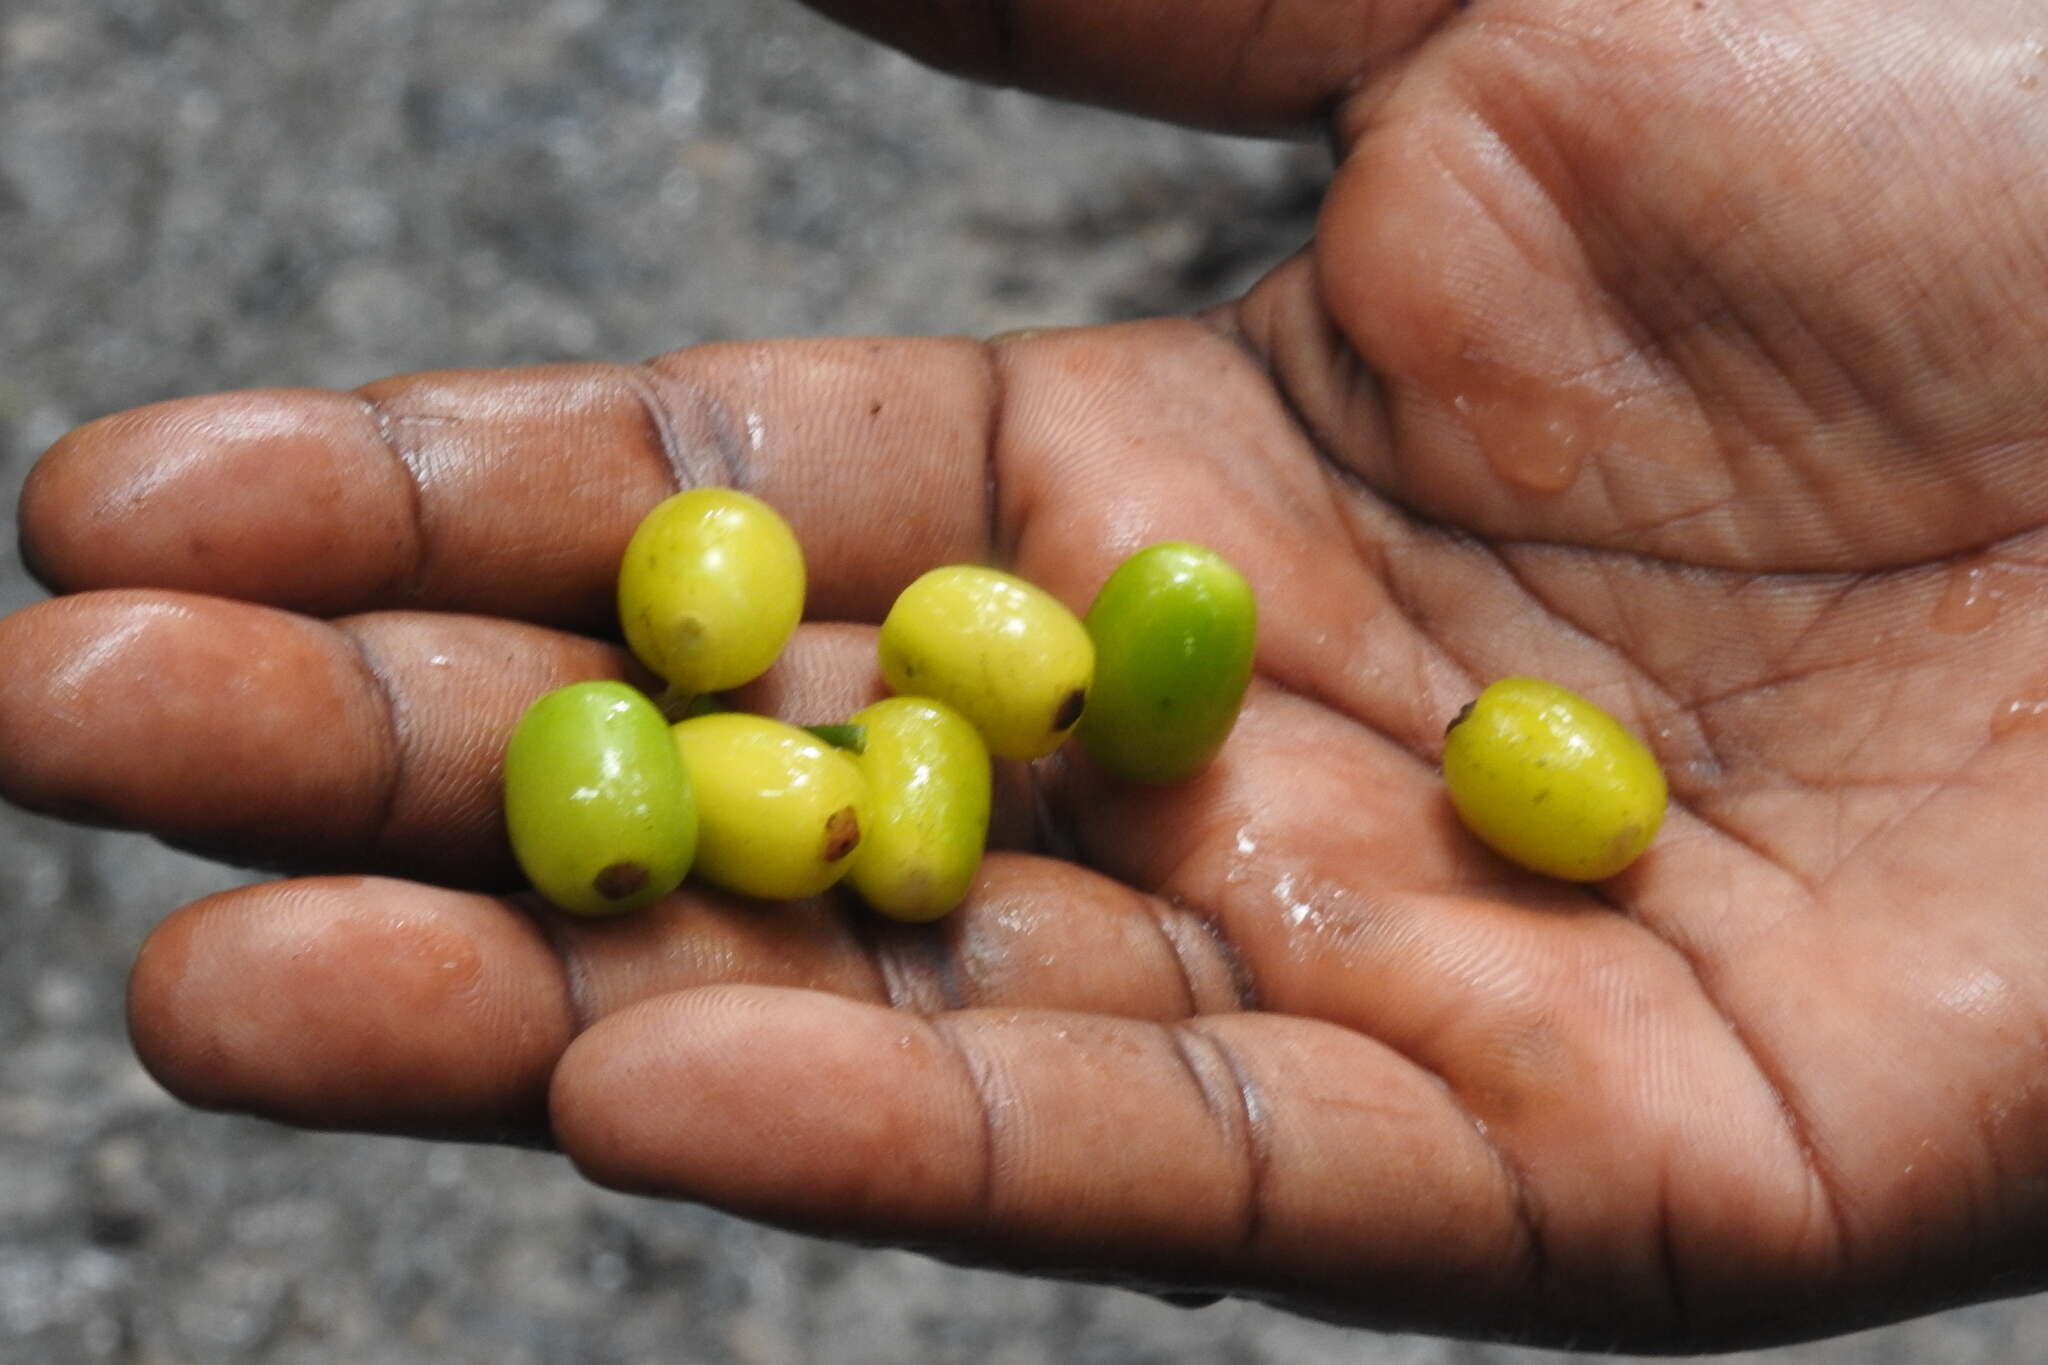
1247	1152
1242	65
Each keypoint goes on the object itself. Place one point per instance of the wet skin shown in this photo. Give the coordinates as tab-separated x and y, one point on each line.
1688	352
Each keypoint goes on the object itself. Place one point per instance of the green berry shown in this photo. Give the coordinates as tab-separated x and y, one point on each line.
598	807
1175	627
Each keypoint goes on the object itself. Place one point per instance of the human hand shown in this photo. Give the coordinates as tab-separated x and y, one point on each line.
1690	356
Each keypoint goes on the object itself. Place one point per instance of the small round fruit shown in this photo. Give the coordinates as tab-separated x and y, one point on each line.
1006	654
597	805
779	812
1175	627
1550	781
710	588
928	801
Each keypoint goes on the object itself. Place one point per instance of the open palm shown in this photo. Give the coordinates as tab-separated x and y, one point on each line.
1688	352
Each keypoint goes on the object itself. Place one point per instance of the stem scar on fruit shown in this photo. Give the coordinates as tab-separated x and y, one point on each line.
842	833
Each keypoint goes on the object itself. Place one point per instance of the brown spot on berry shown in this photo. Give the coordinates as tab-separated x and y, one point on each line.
842	834
1459	719
1624	839
620	880
1070	709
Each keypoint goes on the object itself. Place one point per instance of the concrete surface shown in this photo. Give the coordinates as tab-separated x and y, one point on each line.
202	194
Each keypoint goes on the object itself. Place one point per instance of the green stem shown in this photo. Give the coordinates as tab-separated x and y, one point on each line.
852	738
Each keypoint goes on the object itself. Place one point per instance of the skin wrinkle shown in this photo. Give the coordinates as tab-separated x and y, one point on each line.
891	972
1697	706
660	417
1525	1211
1243	983
1819	343
1873	726
1781	676
915	972
396	745
1750	439
1244	980
998	542
719	431
1672	704
1694	710
1346	487
1330	354
1582	229
983	1201
1234	1119
1349	484
1747	844
1824	1184
411	584
1156	914
1619	287
1846	859
1762	762
1656	345
686	469
1704	811
1244	988
1434	650
575	969
1579	632
1528	1214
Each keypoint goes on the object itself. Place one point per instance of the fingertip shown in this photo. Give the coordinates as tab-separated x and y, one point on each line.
34	725
354	1003
274	495
91	685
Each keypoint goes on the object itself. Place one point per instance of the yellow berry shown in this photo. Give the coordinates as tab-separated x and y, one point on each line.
710	588
1004	653
779	811
1551	782
928	779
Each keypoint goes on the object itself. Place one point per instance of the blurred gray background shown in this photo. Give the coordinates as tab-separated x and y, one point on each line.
205	194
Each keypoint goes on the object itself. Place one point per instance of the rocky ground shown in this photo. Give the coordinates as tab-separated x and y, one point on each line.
201	194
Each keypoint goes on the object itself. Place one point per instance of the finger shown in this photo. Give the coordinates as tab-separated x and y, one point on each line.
356	1004
513	492
1249	1152
1248	65
381	1005
1033	932
369	744
275	739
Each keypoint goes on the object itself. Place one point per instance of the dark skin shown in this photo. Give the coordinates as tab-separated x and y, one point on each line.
1688	352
